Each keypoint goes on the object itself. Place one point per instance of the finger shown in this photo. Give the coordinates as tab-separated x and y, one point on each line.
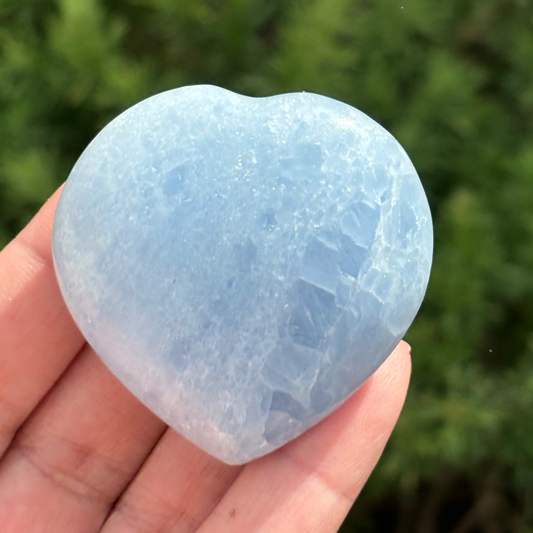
177	488
38	338
76	453
311	483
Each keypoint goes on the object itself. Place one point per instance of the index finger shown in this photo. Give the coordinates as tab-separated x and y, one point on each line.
38	337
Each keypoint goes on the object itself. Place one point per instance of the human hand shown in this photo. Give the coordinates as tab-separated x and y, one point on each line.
80	454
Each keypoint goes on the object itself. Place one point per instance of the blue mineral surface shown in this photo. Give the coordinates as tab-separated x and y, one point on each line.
243	264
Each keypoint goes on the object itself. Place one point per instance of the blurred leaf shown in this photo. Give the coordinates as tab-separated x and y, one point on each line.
30	175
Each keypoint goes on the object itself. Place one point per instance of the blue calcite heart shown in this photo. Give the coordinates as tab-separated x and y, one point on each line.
243	265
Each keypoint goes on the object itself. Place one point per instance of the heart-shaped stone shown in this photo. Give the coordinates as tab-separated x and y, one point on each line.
243	265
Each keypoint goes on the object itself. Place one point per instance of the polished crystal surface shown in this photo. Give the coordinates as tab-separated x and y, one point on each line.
243	265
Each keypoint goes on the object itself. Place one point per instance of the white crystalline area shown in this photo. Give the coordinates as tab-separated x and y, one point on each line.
243	265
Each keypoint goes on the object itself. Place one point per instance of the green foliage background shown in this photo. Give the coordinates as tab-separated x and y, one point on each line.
453	81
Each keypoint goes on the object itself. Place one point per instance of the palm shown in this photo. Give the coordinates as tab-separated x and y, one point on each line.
81	454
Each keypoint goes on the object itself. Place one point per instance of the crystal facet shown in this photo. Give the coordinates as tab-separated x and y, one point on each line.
243	264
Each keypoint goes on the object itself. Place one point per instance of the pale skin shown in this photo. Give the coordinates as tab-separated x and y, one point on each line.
80	454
